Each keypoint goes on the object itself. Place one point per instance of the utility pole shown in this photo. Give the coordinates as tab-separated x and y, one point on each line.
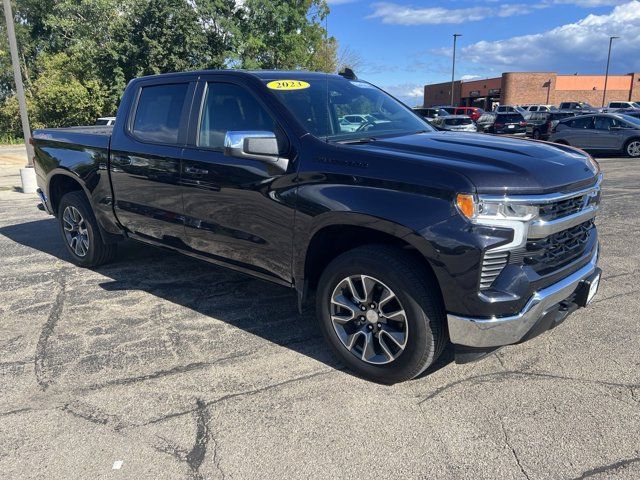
27	174
606	75
453	67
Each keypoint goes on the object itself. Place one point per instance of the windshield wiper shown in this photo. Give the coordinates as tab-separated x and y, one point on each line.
353	141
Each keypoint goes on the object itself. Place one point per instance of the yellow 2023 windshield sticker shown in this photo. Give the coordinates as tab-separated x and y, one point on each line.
287	85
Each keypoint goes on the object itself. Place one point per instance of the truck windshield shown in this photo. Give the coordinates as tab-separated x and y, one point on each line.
339	109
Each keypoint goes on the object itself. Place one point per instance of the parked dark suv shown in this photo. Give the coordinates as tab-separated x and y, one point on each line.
511	123
541	124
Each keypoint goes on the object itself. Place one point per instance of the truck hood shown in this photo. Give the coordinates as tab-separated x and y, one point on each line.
494	164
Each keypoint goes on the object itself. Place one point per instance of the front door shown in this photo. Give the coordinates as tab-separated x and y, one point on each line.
145	162
608	133
237	210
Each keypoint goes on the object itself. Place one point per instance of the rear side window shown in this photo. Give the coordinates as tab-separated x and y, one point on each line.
158	112
230	107
512	117
584	122
458	121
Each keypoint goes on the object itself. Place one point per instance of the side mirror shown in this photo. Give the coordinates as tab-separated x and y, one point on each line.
255	145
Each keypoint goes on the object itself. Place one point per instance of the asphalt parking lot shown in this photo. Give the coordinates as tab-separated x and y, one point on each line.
169	368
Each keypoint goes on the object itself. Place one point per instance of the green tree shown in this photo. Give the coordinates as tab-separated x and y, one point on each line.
60	98
78	55
282	34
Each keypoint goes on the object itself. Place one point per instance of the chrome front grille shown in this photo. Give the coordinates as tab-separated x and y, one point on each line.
553	211
558	235
492	265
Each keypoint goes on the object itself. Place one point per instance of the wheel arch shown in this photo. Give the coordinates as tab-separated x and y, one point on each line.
61	182
340	233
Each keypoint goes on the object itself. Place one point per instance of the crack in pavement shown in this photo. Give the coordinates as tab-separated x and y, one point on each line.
235	395
488	377
160	373
196	455
194	458
606	468
43	376
513	450
89	413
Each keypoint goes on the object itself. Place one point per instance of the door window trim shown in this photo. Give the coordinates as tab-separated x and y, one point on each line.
184	114
197	112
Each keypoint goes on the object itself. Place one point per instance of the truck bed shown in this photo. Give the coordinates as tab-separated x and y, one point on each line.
90	136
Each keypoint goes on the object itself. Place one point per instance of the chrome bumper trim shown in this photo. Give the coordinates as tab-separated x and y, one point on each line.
495	332
541	228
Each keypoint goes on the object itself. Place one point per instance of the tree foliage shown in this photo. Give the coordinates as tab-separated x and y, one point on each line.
78	55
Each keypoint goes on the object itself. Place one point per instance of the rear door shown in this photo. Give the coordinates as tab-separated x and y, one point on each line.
145	159
580	132
237	210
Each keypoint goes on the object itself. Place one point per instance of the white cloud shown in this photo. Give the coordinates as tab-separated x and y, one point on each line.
573	47
407	15
407	92
590	3
393	13
469	77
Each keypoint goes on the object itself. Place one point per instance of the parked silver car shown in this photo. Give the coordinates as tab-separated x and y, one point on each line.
600	132
457	123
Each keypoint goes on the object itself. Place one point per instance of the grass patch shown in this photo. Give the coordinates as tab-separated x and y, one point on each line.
9	140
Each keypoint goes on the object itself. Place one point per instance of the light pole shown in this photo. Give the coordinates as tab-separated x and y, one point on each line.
606	75
453	67
27	174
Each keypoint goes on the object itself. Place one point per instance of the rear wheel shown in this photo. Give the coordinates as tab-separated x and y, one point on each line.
536	134
381	312
80	232
632	148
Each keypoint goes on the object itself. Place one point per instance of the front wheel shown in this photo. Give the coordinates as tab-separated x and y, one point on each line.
632	148
381	312
80	232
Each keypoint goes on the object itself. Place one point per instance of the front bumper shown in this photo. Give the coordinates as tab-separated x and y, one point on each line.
495	332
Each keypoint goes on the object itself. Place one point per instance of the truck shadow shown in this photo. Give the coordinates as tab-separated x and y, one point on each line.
255	306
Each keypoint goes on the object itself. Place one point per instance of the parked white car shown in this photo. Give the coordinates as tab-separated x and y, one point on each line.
614	106
106	121
456	123
351	123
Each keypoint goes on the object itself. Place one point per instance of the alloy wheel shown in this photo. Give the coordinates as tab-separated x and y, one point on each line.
369	319
75	231
633	149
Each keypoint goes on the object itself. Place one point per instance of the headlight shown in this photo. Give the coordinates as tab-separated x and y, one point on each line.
595	166
482	212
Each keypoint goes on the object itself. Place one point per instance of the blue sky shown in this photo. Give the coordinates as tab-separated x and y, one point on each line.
406	44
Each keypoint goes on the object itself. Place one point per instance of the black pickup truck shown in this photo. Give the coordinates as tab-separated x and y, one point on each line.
406	237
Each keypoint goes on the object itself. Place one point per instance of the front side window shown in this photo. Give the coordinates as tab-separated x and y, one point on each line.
158	112
229	107
605	123
633	121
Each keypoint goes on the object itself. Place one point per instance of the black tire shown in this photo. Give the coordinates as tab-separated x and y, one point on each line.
536	134
419	296
635	153
97	252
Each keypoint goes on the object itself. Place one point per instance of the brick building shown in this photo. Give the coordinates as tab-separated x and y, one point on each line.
518	88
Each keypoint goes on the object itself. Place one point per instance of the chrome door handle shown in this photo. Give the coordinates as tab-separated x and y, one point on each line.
195	171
